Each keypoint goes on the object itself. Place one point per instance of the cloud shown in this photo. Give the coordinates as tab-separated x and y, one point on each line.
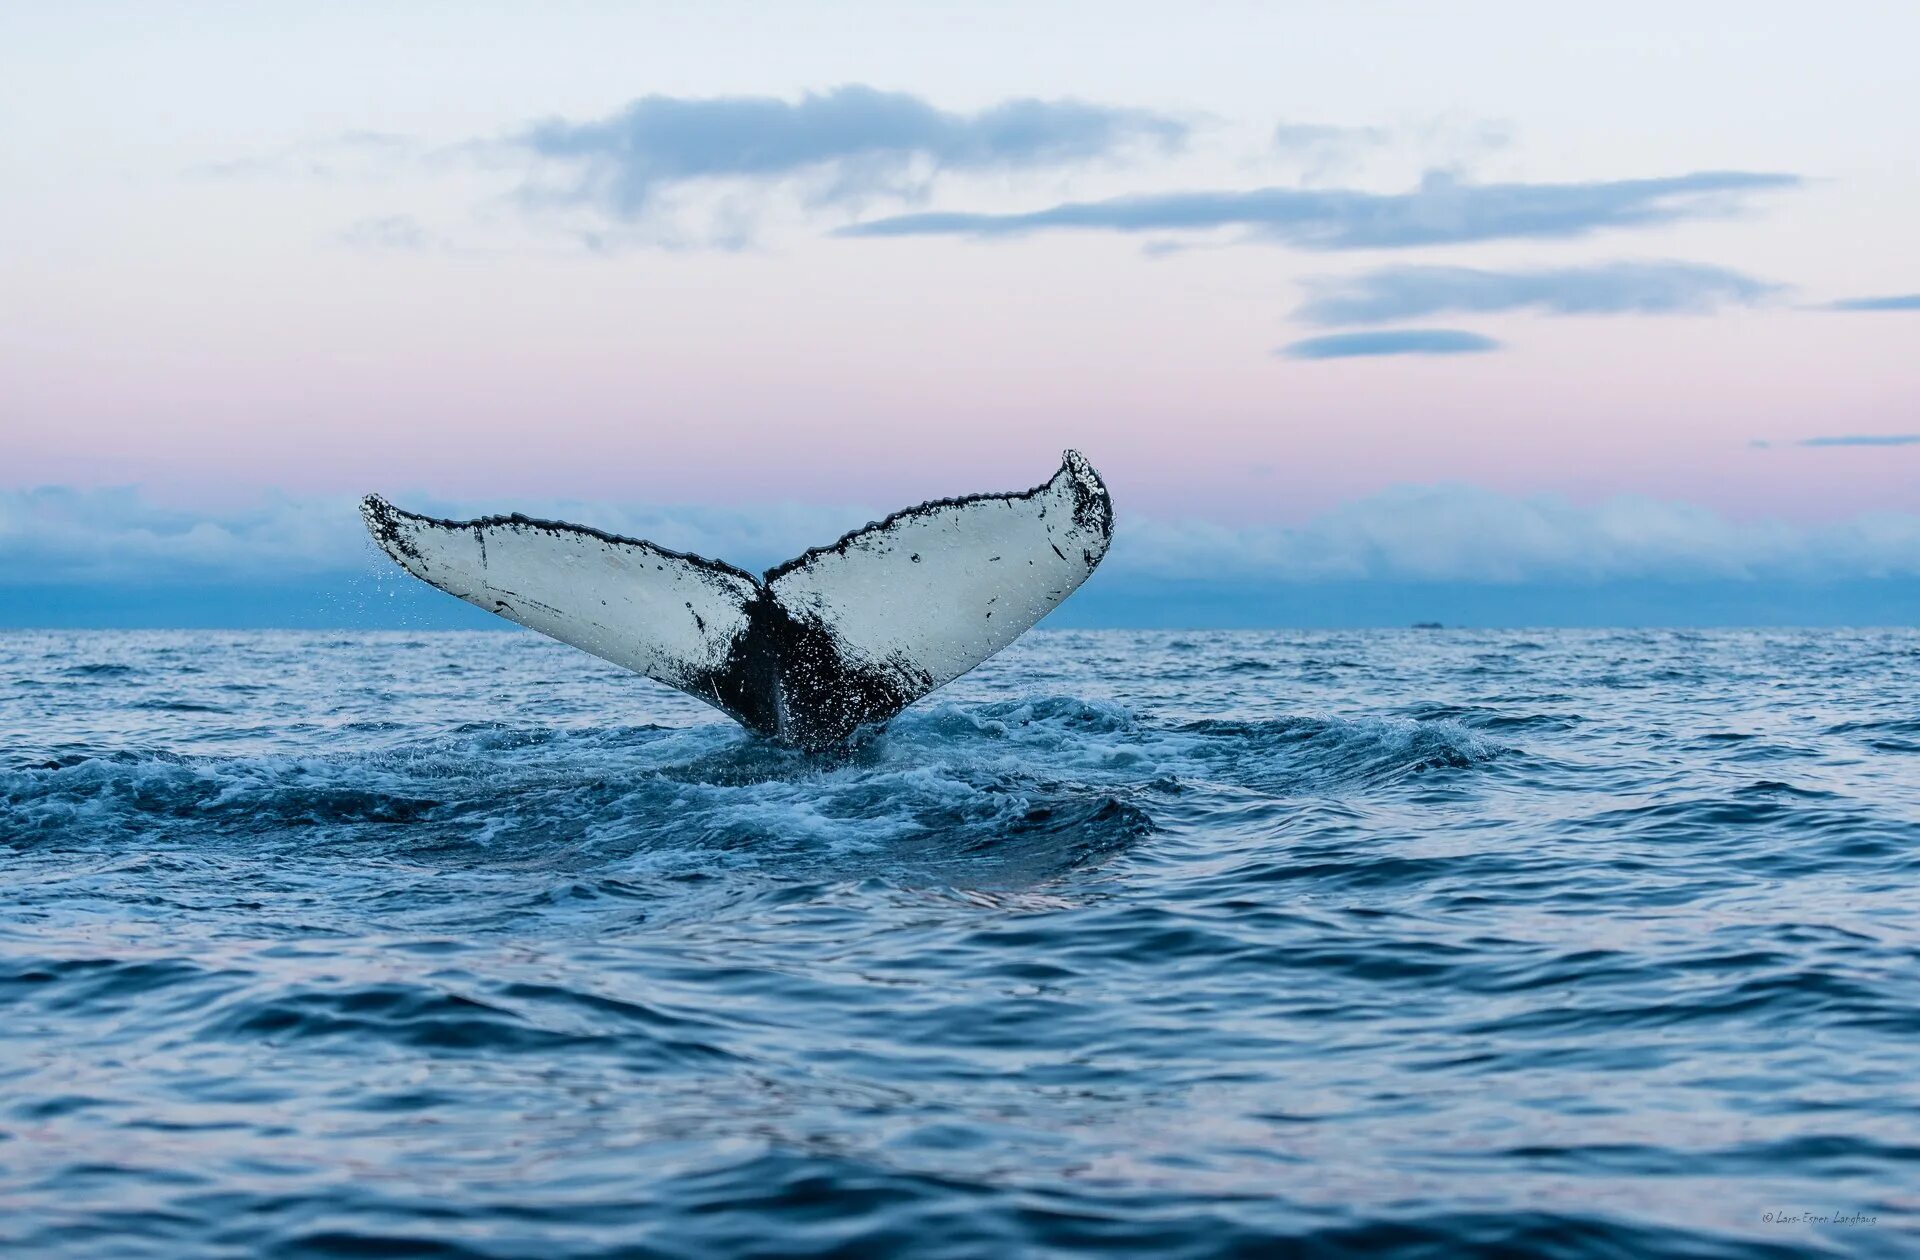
1390	341
66	535
1320	149
1449	143
849	143
110	557
1442	210
1864	439
1894	302
349	153
400	233
57	534
1310	138
1462	533
1448	532
1645	288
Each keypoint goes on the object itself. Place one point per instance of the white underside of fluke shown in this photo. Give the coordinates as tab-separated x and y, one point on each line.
945	586
841	637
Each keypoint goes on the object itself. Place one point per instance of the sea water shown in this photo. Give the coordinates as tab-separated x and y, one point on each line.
1180	945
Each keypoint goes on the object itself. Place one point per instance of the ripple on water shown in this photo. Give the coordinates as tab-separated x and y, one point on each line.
1428	944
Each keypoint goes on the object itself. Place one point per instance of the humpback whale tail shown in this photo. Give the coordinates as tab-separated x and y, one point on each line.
838	638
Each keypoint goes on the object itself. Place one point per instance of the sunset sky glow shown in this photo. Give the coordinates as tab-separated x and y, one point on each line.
1260	262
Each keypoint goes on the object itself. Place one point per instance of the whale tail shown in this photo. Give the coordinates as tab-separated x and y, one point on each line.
839	638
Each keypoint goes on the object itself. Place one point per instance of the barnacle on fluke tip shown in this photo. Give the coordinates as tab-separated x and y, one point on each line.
836	640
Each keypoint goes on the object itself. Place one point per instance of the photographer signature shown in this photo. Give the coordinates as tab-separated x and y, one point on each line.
1819	1218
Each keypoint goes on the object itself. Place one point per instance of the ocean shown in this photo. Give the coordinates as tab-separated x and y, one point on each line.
1408	943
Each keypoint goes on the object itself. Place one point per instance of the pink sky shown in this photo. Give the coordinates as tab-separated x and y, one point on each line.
168	321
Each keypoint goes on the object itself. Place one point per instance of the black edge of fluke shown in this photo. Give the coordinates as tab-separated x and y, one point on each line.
1092	507
383	517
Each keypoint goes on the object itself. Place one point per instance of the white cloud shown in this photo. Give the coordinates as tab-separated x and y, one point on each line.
1454	533
57	534
1462	533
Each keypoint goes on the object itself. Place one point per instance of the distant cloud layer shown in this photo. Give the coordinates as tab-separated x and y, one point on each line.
1466	534
1391	341
1894	302
1440	211
55	534
1410	533
1645	288
59	534
852	142
1865	439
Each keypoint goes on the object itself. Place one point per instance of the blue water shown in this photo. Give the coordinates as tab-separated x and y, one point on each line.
1183	945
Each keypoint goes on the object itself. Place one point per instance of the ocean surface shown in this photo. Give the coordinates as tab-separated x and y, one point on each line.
1417	943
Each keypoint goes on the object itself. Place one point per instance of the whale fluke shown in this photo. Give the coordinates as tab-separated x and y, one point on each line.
837	639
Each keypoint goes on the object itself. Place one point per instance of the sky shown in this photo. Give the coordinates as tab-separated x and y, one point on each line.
1367	312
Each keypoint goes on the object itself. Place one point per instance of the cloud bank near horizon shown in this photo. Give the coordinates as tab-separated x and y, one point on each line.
1449	532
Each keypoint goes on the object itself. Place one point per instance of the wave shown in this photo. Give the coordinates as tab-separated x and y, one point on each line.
822	1202
1030	787
1172	944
